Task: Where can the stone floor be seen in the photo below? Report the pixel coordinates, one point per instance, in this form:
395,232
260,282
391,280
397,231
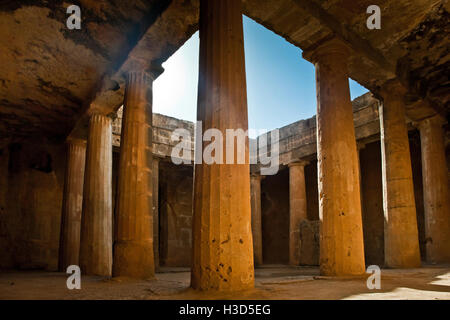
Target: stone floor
272,282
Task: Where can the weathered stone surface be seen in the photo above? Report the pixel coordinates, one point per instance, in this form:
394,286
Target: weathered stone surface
31,192
275,218
309,251
372,203
62,86
163,128
436,190
52,78
114,35
52,72
297,208
298,140
96,221
312,190
401,233
175,215
174,24
155,198
274,215
255,198
133,242
72,204
222,239
425,63
341,234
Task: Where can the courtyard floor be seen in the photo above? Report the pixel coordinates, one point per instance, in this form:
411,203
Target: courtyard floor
272,282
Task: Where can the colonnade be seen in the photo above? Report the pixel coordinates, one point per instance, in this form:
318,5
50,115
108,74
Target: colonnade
227,233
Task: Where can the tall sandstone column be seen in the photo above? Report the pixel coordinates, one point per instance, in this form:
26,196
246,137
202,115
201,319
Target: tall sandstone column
401,238
341,235
435,190
133,246
96,221
222,235
255,188
297,208
72,204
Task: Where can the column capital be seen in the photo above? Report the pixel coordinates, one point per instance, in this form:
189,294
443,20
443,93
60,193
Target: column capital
436,120
152,69
360,145
76,141
157,158
393,88
302,163
257,175
95,112
322,52
100,117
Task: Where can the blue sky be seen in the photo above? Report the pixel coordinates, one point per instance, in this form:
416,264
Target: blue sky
280,83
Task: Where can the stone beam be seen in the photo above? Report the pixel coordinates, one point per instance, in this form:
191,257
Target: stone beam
357,43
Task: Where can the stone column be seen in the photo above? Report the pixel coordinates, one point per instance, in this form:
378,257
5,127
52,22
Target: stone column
255,188
133,246
72,204
341,235
360,146
155,176
297,208
435,190
222,241
401,238
96,221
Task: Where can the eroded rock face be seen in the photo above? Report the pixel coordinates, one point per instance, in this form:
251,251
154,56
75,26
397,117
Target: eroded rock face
426,64
49,72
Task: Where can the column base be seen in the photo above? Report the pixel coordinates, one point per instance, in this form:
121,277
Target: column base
134,259
411,262
438,260
328,271
438,253
405,265
101,269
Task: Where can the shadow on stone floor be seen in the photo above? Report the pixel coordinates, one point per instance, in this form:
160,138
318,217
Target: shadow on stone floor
272,282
